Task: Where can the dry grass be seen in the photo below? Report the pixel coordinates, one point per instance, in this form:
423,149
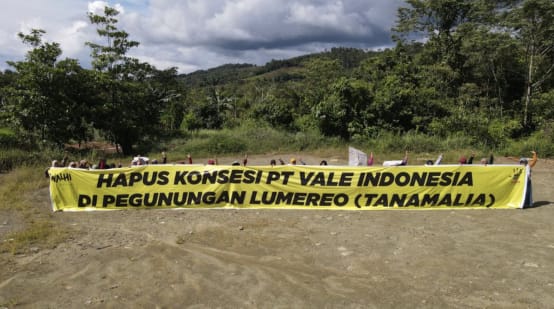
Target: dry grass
18,191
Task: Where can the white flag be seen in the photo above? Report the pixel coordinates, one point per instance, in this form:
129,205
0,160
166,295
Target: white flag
356,157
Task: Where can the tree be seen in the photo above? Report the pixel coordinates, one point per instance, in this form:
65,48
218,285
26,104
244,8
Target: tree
131,108
49,99
344,112
171,94
277,108
533,23
493,64
112,57
319,75
437,20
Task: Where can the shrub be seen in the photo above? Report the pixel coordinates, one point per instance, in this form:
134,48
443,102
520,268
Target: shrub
250,137
11,158
541,141
7,138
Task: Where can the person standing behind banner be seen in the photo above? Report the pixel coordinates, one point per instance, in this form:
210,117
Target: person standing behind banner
65,159
402,162
529,194
55,163
102,164
463,160
530,163
370,159
84,164
471,157
488,161
405,160
438,160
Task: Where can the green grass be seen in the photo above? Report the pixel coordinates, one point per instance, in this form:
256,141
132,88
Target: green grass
542,142
11,158
252,138
249,138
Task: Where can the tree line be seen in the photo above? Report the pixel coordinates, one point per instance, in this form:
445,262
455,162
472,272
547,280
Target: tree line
480,68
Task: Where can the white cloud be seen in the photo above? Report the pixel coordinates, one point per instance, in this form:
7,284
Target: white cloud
72,38
200,34
97,7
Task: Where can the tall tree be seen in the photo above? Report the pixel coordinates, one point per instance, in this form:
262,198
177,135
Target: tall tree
171,93
129,114
533,23
493,64
437,20
111,57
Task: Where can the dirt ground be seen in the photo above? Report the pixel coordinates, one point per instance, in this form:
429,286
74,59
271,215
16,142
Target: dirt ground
485,258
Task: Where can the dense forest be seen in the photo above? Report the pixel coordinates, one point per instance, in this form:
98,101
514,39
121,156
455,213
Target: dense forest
482,69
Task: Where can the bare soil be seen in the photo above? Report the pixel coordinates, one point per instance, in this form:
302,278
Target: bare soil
486,258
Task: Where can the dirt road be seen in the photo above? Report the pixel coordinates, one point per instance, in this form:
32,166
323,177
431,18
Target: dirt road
293,259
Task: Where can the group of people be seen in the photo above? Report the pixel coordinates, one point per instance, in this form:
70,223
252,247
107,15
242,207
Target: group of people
438,161
140,160
292,161
272,162
484,161
530,162
81,164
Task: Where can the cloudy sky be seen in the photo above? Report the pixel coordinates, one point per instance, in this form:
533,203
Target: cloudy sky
201,34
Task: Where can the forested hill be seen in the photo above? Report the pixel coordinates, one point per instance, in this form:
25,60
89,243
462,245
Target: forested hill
275,70
228,73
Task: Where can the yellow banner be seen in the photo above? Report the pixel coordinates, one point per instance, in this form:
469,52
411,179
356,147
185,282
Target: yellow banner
292,187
